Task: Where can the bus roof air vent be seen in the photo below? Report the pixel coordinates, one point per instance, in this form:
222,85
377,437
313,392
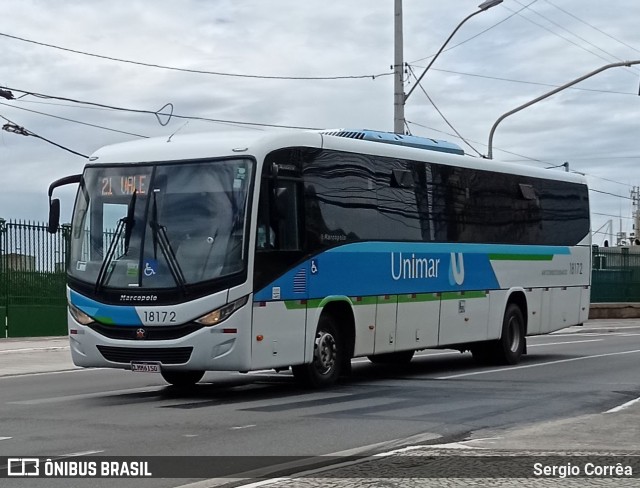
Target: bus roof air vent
399,139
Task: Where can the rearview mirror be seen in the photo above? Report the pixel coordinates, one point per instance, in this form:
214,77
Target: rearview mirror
54,216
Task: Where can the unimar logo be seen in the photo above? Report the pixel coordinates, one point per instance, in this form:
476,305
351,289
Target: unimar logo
412,267
456,269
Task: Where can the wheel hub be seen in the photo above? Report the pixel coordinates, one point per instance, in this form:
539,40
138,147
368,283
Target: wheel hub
324,352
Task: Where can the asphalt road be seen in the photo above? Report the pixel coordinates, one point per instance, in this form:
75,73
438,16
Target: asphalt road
442,397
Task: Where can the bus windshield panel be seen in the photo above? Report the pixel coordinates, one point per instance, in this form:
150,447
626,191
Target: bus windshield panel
161,225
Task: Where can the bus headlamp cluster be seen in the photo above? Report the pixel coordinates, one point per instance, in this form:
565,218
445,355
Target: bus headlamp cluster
80,317
223,313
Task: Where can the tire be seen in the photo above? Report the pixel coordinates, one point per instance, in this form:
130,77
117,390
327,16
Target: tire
328,357
401,357
510,347
182,379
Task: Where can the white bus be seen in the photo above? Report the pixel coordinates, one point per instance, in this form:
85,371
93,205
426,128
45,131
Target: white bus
248,252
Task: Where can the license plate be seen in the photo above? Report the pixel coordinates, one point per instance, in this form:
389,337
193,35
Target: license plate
145,367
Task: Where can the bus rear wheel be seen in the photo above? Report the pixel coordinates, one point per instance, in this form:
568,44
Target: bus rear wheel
511,344
400,357
182,379
509,348
328,357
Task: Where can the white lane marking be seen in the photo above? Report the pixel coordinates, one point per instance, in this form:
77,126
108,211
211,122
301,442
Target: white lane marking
34,349
567,342
83,453
312,472
45,373
5,438
526,366
623,406
41,401
239,427
357,451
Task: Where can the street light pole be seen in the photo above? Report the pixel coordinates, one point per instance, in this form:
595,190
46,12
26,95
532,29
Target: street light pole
400,98
548,94
398,71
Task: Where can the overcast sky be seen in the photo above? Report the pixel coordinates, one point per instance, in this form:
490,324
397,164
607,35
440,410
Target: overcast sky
498,60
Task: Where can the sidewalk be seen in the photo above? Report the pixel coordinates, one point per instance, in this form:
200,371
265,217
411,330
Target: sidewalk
34,355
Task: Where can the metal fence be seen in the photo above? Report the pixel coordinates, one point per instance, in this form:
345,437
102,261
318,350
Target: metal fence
616,274
32,279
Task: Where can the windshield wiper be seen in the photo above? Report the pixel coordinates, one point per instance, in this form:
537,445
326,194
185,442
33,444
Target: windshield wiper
159,235
124,224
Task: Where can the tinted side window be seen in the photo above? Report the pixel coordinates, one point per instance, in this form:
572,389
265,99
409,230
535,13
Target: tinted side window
565,211
340,199
397,197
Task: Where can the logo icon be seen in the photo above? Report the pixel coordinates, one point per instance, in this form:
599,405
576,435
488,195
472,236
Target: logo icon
141,334
150,267
23,467
456,271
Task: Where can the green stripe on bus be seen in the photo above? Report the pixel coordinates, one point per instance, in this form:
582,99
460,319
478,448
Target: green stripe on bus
520,257
418,297
372,300
457,295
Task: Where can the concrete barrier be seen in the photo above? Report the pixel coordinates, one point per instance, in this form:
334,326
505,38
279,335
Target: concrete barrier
614,311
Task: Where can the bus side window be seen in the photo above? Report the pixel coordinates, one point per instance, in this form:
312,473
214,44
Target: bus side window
287,218
278,216
265,238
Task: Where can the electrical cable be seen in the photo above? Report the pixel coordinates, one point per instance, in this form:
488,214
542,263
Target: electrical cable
476,35
442,115
73,120
156,113
592,26
570,32
559,35
18,129
195,71
527,82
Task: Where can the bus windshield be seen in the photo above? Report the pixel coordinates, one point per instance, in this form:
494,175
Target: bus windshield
160,225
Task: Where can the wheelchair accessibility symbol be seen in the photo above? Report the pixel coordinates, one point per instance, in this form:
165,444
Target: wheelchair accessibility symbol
314,267
150,267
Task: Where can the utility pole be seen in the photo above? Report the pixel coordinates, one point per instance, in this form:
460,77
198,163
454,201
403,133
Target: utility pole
398,71
635,200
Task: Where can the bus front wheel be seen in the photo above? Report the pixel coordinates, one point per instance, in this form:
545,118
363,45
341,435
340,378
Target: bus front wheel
328,357
182,378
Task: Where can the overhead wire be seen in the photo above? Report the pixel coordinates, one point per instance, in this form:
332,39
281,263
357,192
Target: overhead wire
550,85
442,115
559,35
26,132
475,35
195,71
156,113
553,22
74,121
592,26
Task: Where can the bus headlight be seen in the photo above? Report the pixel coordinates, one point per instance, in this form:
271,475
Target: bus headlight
80,316
223,313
